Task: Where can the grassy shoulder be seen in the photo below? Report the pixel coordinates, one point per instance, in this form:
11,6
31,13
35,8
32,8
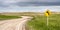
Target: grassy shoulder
5,17
39,22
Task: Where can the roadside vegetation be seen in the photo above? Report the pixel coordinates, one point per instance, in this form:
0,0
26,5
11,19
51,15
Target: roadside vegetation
39,22
5,17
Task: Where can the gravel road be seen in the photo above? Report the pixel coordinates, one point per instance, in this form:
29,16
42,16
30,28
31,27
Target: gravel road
14,24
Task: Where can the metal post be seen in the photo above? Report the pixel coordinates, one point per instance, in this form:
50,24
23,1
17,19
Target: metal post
47,21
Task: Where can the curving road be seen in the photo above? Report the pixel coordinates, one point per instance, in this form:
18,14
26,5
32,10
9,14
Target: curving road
14,24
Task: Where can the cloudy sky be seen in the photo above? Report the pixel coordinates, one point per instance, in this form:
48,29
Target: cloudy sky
29,5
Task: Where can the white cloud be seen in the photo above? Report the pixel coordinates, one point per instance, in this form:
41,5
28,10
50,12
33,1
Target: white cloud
9,1
13,7
30,9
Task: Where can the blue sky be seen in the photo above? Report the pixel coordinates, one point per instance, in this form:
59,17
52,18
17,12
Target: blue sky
29,5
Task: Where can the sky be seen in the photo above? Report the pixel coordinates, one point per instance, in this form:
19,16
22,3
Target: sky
29,5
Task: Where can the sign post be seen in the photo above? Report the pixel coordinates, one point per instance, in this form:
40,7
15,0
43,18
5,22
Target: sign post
47,13
47,21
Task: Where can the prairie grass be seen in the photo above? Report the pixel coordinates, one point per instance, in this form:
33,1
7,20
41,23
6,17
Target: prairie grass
4,17
39,22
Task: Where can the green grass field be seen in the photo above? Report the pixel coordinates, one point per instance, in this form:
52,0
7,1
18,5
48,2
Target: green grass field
4,17
39,22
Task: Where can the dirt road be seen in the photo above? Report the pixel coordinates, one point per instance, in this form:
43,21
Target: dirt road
14,24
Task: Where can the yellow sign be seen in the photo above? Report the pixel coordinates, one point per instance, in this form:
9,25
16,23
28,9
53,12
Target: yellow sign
47,13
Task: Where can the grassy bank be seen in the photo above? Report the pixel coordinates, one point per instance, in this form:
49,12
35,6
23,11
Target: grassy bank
39,22
4,17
